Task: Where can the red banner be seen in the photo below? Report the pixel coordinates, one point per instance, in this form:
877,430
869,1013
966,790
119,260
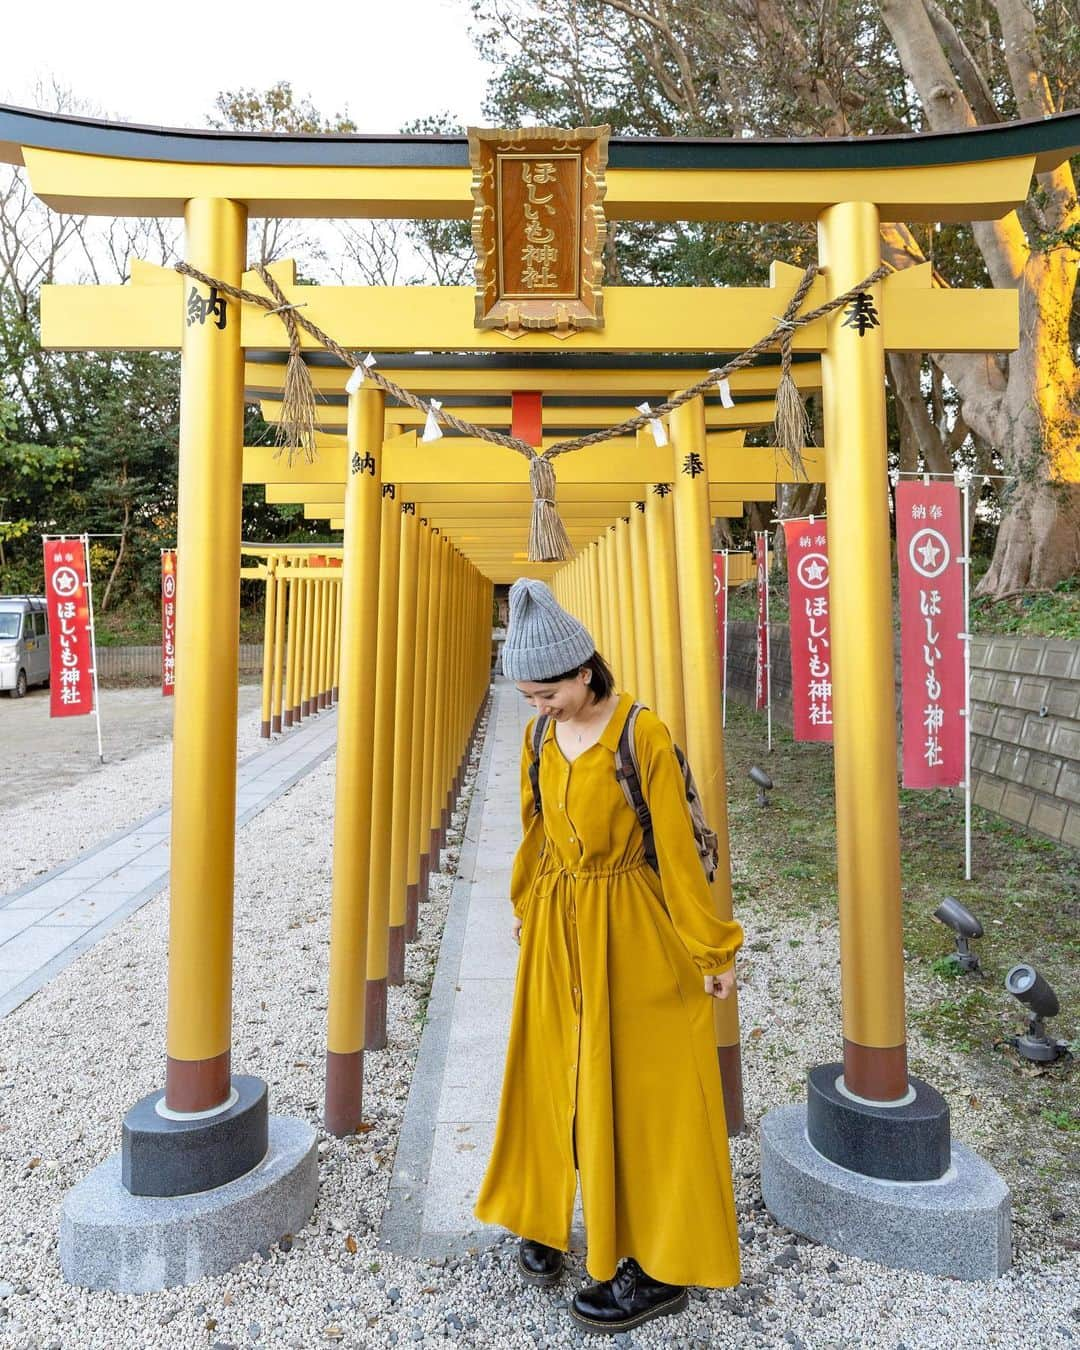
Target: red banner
168,621
761,677
71,687
929,542
719,571
811,641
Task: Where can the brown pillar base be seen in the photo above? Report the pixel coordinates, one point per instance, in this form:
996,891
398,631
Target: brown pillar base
305,708
395,956
343,1112
729,1058
444,824
197,1084
412,918
288,717
275,725
264,731
878,1073
435,844
425,878
335,693
375,1014
323,702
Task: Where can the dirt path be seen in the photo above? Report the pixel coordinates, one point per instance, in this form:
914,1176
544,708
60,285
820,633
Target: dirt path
39,754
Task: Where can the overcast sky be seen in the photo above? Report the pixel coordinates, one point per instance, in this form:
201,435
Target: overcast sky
383,63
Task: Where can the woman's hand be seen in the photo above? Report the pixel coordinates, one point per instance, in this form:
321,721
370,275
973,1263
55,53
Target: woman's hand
719,986
516,931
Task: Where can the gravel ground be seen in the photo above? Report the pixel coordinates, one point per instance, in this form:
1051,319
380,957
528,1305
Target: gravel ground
56,799
60,1114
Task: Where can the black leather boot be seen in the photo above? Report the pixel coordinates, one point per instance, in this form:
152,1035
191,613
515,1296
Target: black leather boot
627,1300
539,1264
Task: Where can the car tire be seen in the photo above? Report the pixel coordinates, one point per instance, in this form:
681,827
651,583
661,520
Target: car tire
20,686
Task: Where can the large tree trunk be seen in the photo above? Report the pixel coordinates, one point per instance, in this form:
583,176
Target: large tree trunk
1026,407
1038,543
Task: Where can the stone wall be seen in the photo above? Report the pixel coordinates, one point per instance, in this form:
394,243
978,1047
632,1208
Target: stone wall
1026,726
1025,722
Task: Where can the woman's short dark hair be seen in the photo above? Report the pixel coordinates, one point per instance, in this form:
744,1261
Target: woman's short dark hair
602,682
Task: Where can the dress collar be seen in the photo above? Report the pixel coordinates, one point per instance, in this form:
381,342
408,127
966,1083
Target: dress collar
610,738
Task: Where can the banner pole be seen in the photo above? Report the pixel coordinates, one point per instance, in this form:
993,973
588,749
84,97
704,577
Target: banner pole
85,541
723,703
768,644
965,491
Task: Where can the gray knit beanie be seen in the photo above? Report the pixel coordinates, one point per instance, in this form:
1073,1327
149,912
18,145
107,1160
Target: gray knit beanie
542,640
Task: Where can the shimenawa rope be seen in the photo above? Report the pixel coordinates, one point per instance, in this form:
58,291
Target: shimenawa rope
548,540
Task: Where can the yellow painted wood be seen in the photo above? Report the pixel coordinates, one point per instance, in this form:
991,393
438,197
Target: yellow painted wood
637,318
263,378
749,413
355,736
382,791
99,185
207,644
466,463
863,675
701,682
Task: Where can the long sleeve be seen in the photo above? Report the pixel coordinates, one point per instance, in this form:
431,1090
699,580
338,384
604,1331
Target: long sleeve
532,829
711,941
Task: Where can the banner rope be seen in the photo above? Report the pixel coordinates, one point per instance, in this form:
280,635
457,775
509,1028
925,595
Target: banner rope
548,540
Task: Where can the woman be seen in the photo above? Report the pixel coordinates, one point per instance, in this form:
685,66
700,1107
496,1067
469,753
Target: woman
611,1069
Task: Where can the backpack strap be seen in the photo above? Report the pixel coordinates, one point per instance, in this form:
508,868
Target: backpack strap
628,774
540,727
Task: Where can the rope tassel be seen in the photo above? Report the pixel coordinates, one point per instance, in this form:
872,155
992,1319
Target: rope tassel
548,540
791,426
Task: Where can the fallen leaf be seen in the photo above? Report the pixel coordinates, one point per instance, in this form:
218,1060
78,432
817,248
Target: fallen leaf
333,1333
757,1031
350,1244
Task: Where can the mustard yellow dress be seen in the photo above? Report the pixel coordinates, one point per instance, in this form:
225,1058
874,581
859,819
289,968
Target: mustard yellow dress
611,1067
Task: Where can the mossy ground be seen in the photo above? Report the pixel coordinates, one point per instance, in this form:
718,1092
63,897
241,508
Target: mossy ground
1026,892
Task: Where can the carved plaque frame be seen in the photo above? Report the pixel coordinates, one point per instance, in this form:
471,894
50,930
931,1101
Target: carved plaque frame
539,228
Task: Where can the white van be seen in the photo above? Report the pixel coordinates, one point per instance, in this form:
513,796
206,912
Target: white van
24,643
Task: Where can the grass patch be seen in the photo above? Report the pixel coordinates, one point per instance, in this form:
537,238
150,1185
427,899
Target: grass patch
1026,892
1054,613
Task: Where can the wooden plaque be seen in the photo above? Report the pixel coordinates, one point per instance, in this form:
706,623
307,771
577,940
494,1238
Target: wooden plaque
538,227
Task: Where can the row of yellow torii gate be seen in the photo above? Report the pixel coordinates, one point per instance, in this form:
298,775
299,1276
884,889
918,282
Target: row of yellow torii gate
417,716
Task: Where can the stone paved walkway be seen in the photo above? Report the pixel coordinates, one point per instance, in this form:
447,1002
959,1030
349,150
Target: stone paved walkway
45,925
449,1122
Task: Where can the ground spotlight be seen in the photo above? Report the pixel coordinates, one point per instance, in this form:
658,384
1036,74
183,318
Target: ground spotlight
965,925
764,784
1025,983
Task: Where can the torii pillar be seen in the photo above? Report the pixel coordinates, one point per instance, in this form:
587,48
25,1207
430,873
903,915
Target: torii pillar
868,1163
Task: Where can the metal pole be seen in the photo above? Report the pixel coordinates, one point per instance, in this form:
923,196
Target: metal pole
768,645
84,539
965,489
723,715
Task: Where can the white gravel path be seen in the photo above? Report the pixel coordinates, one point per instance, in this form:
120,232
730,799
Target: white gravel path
52,826
81,1051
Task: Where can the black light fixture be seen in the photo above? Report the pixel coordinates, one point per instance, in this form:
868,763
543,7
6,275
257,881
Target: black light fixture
764,784
1026,984
965,926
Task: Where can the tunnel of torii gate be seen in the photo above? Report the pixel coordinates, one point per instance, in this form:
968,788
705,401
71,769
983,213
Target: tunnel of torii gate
429,527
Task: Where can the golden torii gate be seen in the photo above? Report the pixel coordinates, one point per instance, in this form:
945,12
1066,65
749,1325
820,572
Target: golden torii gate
215,182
